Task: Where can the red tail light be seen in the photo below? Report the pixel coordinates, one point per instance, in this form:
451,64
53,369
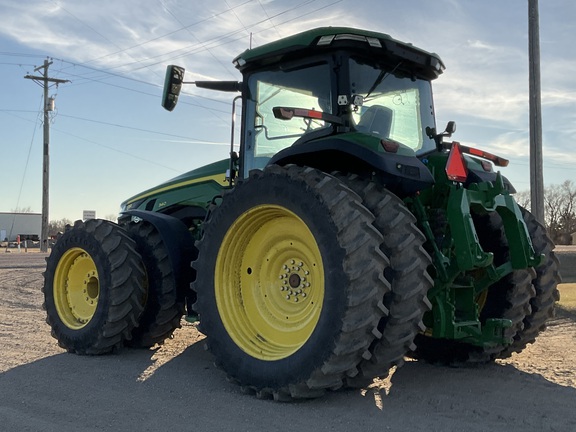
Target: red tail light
496,160
389,145
456,169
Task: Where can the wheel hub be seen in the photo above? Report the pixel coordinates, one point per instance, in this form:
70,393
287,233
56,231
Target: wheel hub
294,283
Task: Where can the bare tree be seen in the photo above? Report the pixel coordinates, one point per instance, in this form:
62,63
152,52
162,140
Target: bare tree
56,226
22,210
559,210
523,199
565,213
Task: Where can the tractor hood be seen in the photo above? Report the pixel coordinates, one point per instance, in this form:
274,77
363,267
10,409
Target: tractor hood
178,190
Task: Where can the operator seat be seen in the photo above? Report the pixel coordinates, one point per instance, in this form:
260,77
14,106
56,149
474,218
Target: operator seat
376,120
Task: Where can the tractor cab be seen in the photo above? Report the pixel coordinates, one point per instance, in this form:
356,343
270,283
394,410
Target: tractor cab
338,96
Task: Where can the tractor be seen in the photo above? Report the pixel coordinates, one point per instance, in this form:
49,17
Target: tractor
342,235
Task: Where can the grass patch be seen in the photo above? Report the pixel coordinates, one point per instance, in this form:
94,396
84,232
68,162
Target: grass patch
567,296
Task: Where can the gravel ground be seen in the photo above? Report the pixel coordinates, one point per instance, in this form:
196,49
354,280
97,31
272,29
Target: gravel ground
176,387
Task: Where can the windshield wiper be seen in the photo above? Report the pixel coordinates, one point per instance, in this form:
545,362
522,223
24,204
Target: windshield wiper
379,79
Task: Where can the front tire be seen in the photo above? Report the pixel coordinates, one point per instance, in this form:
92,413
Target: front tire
93,288
289,282
164,300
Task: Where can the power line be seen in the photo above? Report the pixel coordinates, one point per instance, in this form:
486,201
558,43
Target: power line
270,19
11,54
220,38
26,166
84,23
117,150
189,140
16,64
158,86
138,129
203,46
225,67
91,28
187,27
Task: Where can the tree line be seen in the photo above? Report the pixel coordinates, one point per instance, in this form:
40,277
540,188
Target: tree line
559,210
59,226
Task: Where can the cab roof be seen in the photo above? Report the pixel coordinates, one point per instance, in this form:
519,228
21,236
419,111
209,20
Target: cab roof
379,46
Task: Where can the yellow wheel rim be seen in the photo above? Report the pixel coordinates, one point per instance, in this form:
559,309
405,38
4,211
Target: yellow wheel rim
76,288
269,282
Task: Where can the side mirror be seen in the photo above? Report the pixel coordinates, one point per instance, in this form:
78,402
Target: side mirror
172,86
450,129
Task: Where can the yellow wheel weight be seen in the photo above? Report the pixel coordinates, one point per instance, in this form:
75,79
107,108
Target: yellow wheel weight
76,288
269,282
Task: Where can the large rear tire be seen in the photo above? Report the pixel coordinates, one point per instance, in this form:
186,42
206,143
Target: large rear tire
93,288
407,274
545,283
290,282
508,298
164,300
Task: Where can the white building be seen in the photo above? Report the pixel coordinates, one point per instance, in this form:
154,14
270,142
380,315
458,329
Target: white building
26,225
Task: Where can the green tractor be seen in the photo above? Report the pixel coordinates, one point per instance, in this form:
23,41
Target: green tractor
344,235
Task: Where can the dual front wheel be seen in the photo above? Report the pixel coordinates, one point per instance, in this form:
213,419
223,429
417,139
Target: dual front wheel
106,287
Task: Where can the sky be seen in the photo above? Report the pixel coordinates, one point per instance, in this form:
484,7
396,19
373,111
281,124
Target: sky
111,139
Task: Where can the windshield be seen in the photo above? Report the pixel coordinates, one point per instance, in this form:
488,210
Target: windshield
299,88
395,107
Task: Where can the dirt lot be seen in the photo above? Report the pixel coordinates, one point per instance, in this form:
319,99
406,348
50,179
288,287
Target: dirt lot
176,387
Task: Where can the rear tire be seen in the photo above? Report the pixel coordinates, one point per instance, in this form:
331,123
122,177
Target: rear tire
93,288
508,298
407,274
290,282
545,283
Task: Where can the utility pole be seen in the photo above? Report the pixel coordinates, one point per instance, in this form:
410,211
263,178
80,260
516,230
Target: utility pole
45,82
536,170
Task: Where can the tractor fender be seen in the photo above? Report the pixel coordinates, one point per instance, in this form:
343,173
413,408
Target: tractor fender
176,237
477,176
403,174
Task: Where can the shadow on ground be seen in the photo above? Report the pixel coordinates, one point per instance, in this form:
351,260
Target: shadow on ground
129,392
